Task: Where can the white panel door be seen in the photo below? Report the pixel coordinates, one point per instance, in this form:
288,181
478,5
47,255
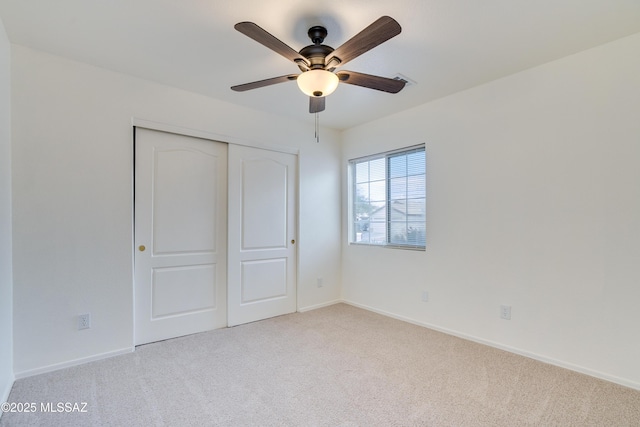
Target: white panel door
180,235
262,229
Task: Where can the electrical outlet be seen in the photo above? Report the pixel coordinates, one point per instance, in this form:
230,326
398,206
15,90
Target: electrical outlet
84,321
505,312
425,296
320,282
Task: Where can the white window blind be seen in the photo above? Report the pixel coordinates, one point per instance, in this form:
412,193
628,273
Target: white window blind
388,200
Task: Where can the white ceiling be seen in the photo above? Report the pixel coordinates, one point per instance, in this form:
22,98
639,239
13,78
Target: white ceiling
445,46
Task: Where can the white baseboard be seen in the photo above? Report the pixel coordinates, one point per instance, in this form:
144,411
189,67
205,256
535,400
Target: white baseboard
541,358
70,363
316,306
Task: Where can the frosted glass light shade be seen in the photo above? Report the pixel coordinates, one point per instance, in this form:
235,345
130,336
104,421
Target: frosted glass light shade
317,82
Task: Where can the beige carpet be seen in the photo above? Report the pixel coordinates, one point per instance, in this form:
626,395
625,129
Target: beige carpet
336,366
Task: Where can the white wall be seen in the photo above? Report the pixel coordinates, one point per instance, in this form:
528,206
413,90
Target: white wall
6,286
72,209
533,201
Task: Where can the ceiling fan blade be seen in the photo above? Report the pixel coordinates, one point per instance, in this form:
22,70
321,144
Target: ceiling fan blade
263,83
260,35
375,34
316,104
372,82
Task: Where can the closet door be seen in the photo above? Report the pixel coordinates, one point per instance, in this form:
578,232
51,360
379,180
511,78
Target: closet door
262,234
180,235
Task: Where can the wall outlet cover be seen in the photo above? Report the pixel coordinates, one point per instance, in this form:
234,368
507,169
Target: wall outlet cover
505,312
84,321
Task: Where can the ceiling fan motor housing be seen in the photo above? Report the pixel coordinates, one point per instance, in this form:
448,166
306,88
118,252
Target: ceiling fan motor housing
317,52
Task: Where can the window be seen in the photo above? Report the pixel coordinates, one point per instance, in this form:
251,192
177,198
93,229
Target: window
387,199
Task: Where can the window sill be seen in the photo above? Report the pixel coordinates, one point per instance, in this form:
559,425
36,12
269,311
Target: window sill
389,246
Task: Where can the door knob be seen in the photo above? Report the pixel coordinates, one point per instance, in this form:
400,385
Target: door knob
293,242
142,248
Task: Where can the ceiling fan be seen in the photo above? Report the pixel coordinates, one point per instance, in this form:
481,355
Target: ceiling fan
318,61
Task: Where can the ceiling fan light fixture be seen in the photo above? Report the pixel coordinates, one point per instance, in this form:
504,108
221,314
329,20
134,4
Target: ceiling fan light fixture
317,83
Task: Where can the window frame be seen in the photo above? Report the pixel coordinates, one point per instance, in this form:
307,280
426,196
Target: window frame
352,194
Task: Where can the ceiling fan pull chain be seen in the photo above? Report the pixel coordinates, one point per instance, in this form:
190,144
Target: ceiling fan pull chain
317,128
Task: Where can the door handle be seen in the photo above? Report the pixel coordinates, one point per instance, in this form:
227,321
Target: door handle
293,242
142,248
